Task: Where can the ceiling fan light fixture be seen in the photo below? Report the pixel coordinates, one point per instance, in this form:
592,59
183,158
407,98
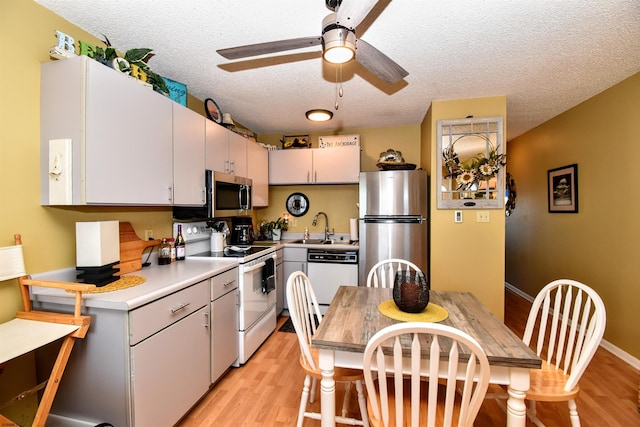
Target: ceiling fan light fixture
319,115
339,45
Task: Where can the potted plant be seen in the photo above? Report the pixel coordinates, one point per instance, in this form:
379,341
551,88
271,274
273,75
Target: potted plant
275,228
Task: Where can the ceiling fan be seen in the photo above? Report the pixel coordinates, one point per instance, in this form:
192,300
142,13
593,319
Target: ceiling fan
338,40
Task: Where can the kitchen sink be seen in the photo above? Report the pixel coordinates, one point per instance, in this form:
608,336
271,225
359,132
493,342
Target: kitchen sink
312,241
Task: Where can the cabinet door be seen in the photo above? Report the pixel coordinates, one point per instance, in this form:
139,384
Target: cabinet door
336,165
291,166
237,154
188,156
128,140
288,268
258,172
217,147
224,333
170,371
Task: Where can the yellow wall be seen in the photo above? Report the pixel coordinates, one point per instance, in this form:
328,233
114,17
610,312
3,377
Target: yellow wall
468,256
598,245
339,201
48,233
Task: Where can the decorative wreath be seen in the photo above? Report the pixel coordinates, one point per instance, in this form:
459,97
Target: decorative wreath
478,168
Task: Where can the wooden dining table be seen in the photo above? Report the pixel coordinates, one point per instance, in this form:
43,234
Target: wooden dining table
353,318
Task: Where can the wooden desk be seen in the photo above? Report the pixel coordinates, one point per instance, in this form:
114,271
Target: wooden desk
353,318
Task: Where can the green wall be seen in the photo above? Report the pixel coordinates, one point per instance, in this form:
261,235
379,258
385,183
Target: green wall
596,246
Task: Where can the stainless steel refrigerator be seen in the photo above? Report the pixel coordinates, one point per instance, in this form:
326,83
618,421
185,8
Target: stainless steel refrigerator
393,223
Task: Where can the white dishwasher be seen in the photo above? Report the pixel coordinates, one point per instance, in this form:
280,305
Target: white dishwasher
328,269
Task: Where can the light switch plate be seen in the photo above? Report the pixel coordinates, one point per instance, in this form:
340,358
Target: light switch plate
457,216
60,169
482,216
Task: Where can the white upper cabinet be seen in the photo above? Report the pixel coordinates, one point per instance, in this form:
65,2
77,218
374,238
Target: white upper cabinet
315,166
188,156
258,172
116,133
226,151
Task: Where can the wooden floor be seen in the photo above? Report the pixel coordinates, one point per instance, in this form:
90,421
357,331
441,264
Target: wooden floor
266,391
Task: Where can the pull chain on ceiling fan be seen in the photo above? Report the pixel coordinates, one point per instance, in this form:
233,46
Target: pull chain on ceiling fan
338,40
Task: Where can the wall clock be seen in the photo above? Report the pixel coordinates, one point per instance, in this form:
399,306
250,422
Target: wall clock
212,110
297,204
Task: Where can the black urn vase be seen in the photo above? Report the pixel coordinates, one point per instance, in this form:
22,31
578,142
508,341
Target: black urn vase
411,291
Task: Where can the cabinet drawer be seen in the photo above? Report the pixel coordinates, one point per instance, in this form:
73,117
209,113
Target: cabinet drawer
295,254
146,321
223,283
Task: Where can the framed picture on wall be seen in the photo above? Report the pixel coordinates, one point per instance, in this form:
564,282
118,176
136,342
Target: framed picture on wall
562,188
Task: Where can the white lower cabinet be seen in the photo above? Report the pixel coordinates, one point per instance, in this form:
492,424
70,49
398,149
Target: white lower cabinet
149,365
224,322
169,371
294,259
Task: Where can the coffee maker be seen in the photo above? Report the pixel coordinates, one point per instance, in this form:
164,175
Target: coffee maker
241,230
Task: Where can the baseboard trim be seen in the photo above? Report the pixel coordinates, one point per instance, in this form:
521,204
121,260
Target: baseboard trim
616,351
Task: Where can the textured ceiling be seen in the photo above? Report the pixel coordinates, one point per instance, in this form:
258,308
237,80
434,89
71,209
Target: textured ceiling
545,56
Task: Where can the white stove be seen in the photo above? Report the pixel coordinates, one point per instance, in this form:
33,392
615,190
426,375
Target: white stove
256,284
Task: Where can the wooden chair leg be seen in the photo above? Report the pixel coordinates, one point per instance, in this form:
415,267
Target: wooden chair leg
54,382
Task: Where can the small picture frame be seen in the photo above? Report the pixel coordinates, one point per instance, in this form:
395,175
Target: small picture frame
296,141
212,110
562,188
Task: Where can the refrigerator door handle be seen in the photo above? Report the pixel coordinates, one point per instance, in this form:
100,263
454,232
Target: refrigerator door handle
395,220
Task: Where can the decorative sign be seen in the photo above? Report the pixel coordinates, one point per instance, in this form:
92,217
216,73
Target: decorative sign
177,91
337,141
132,64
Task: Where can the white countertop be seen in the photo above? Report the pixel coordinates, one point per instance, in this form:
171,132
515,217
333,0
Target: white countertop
161,280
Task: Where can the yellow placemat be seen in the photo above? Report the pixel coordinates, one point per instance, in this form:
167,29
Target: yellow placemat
433,313
122,283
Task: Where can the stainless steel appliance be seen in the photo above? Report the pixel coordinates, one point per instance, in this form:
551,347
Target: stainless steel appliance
256,284
328,269
393,221
226,196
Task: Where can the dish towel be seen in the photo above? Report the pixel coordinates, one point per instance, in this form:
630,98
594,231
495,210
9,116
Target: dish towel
269,276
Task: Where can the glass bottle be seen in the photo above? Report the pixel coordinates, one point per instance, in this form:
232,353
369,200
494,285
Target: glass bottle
172,245
164,254
180,249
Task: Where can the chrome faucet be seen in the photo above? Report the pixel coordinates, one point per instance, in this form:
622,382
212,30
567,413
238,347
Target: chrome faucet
326,224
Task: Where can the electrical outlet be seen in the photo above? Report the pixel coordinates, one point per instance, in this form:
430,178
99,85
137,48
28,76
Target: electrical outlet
482,216
148,234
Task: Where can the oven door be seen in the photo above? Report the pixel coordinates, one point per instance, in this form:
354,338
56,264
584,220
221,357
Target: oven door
253,302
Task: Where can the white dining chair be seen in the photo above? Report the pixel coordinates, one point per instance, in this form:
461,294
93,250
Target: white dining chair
306,316
383,273
565,327
440,380
32,329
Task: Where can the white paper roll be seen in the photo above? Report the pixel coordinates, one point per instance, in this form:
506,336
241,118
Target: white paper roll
353,229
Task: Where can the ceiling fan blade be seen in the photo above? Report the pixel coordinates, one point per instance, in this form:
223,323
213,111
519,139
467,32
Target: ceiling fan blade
351,12
379,63
268,47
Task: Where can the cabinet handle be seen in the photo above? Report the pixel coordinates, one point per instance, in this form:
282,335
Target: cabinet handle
232,167
170,193
227,166
207,322
229,283
180,307
315,176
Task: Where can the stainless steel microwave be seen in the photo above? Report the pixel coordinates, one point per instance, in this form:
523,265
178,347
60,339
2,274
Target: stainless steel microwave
226,196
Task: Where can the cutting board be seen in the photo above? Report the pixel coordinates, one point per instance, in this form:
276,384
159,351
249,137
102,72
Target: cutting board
131,248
